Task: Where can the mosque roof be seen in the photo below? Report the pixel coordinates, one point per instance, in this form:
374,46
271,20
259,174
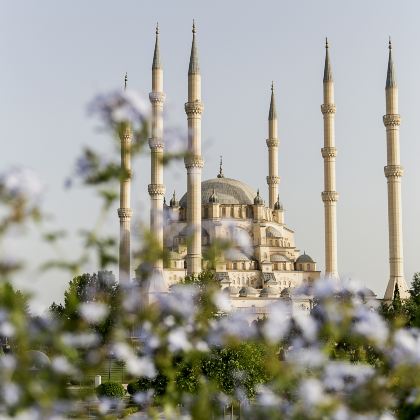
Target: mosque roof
304,258
279,258
228,190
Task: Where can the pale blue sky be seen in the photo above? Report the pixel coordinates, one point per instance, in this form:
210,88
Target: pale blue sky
55,56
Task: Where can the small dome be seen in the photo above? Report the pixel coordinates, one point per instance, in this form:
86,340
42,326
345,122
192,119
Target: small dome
232,290
214,198
174,202
39,360
278,205
258,200
286,292
273,290
234,254
304,258
248,291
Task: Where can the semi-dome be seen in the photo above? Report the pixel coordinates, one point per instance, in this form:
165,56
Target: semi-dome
304,258
228,191
279,258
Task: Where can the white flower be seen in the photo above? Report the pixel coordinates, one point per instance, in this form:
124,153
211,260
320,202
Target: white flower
311,392
21,183
345,376
81,340
406,346
121,106
234,325
93,312
222,301
7,329
307,325
178,340
310,357
11,393
278,322
370,325
141,366
266,397
181,300
7,363
61,365
202,346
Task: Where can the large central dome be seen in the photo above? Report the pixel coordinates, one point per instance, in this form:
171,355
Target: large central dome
228,190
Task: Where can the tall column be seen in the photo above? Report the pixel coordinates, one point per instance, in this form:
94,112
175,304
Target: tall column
193,162
329,152
124,212
156,187
273,147
393,174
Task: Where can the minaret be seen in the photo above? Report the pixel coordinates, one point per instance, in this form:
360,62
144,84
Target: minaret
273,145
156,188
124,212
393,174
329,152
193,162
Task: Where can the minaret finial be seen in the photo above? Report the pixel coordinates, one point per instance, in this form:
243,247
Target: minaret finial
220,174
391,80
156,55
272,114
125,81
328,77
194,68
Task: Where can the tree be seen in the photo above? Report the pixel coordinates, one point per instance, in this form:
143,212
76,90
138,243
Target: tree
98,287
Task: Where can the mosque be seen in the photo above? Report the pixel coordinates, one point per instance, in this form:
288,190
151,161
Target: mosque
263,262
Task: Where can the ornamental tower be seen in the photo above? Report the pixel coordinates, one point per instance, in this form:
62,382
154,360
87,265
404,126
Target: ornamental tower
329,152
393,174
124,212
156,188
194,162
273,144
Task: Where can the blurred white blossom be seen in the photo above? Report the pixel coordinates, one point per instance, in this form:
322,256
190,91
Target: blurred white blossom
93,312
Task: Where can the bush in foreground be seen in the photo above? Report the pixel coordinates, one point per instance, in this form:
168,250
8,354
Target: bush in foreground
110,390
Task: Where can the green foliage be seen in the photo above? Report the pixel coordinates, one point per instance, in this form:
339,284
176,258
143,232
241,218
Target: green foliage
110,390
242,365
141,384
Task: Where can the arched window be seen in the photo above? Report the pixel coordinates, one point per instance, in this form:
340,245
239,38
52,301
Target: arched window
308,267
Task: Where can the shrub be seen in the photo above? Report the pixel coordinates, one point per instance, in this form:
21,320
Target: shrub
110,390
141,384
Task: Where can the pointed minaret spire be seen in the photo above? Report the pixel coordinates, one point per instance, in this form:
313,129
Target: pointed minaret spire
125,81
194,68
328,77
156,55
391,80
272,114
220,174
